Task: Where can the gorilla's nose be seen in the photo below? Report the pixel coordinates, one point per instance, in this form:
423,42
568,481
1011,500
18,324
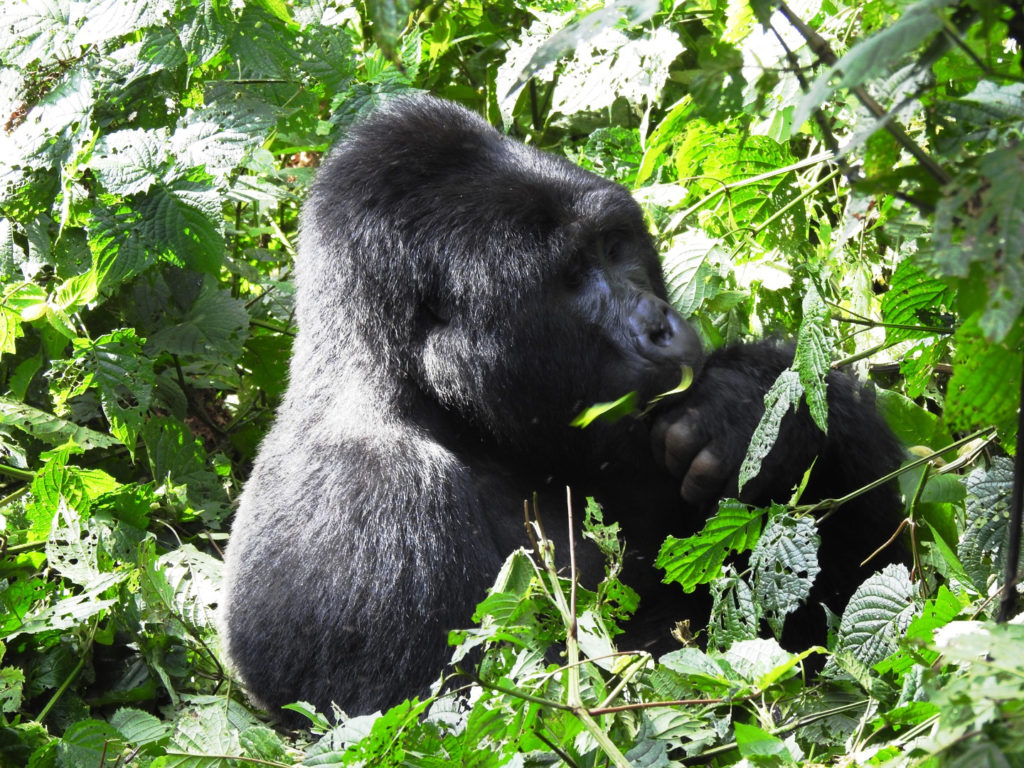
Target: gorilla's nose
662,335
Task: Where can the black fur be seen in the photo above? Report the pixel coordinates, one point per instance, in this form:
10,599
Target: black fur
460,298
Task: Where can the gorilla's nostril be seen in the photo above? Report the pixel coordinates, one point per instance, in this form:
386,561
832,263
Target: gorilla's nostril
661,336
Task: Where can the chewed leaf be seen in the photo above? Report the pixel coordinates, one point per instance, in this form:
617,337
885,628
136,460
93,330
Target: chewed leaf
629,403
610,412
685,382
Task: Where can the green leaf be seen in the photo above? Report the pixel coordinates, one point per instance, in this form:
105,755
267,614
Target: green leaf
59,482
735,615
37,31
205,730
876,54
754,742
698,559
131,160
577,33
877,615
219,137
177,458
72,612
387,19
48,126
278,8
981,225
88,742
761,661
213,327
813,356
109,19
124,377
783,396
914,299
610,412
12,681
72,548
695,671
191,580
785,565
181,220
982,548
751,163
139,728
985,386
204,31
49,428
689,275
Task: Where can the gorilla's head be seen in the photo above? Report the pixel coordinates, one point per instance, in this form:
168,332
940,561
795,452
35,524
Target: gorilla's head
506,285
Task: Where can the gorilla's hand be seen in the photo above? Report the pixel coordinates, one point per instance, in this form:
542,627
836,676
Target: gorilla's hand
703,438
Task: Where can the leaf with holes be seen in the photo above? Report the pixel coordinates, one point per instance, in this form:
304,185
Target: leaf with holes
785,565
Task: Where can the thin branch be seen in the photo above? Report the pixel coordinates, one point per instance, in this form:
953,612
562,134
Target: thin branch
879,324
20,474
850,172
821,157
820,47
701,758
83,652
832,505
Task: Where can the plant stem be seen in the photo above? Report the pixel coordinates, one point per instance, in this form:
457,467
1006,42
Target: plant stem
74,673
823,51
832,505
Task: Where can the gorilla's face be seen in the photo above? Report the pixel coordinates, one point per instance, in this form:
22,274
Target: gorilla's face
509,287
613,288
568,316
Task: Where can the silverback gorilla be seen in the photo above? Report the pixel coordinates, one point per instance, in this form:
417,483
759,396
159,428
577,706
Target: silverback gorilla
461,297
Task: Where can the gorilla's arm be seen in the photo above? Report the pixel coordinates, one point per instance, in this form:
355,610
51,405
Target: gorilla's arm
703,439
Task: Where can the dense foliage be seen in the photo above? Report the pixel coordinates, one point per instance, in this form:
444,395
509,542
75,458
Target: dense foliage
847,172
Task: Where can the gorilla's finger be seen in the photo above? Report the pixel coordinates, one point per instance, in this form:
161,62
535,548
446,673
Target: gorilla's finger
705,479
683,441
658,430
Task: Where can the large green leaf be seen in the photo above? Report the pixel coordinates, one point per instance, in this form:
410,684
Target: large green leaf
49,428
877,615
813,356
784,396
982,549
785,565
698,559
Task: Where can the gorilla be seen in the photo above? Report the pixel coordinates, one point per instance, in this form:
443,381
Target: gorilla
460,298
